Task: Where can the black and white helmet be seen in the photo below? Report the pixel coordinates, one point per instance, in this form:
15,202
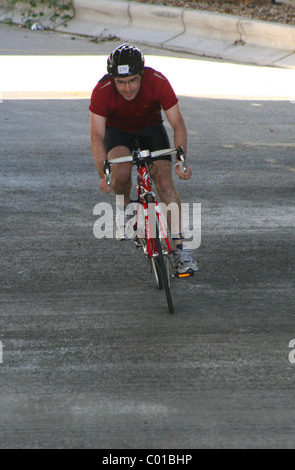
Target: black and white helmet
125,60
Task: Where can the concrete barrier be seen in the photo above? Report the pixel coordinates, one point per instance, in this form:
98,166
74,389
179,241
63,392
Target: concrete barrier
265,34
206,24
203,33
100,17
233,38
132,21
207,34
155,24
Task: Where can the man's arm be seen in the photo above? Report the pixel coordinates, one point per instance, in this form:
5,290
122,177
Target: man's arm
177,123
97,134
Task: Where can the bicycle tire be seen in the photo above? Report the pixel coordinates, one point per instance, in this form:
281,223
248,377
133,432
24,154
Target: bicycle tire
157,273
152,262
154,265
162,266
158,262
156,270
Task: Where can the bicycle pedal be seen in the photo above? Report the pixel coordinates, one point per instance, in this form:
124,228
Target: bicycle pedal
189,273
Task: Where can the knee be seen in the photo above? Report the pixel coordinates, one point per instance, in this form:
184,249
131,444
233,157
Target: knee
164,184
122,175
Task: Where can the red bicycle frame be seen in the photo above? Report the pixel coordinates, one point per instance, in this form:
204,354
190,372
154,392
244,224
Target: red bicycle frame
144,187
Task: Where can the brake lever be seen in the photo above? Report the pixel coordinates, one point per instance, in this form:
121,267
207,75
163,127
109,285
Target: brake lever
107,172
181,160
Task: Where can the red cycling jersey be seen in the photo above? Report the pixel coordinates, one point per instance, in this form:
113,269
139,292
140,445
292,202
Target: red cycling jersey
155,93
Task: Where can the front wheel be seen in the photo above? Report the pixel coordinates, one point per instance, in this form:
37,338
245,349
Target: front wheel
163,271
156,269
158,262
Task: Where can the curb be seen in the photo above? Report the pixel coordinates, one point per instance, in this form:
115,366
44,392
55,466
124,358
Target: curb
198,32
201,33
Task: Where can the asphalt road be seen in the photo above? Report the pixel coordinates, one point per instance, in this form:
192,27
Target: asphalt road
90,356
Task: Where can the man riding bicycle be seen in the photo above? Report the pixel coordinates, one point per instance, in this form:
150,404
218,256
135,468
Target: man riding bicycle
126,106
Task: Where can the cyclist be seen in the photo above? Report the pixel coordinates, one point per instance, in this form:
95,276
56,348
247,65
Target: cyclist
126,105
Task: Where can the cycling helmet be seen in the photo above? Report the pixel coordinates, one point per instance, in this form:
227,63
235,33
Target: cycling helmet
124,61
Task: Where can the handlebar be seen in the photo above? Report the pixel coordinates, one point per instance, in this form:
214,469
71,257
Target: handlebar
141,155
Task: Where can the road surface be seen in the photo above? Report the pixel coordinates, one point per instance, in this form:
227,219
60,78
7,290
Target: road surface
90,357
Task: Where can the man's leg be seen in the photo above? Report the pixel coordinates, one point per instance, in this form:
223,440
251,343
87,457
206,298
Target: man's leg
121,174
168,195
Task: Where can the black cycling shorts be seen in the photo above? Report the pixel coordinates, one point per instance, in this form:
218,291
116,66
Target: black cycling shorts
151,138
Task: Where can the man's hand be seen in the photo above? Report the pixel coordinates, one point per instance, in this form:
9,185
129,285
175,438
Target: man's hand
184,176
104,187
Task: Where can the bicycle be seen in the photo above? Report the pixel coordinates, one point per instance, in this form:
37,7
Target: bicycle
154,239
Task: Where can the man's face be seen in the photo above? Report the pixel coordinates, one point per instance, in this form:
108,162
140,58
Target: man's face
128,87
